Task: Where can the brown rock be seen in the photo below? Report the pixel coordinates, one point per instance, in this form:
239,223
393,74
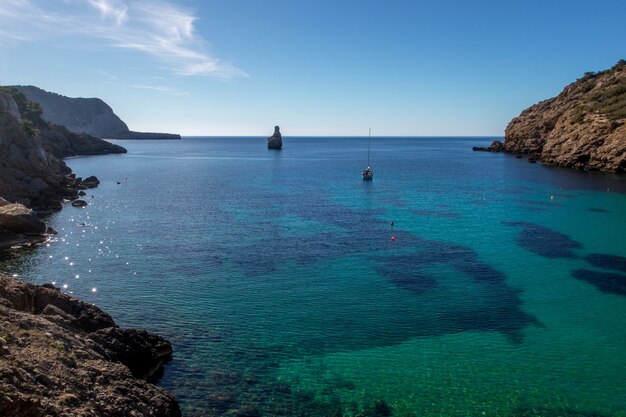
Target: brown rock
17,218
584,127
52,365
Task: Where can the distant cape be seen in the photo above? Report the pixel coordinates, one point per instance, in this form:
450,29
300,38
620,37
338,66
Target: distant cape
85,115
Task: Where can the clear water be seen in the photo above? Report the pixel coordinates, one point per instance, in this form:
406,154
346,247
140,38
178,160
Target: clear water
276,278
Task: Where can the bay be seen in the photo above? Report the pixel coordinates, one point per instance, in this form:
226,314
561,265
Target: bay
275,275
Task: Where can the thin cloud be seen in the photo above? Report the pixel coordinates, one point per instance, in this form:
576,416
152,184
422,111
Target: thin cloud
161,89
162,30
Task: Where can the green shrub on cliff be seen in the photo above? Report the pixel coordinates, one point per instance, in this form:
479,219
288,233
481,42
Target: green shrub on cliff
612,100
608,98
29,111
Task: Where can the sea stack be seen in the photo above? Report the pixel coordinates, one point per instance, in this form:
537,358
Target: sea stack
276,140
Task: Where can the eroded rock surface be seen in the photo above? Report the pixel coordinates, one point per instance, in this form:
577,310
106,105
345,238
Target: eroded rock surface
584,127
61,357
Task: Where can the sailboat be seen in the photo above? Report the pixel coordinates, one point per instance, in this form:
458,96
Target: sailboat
368,174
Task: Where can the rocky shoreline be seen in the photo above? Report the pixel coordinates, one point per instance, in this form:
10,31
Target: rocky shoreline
584,127
61,357
34,181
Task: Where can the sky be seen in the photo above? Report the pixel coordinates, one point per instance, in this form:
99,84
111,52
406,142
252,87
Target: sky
314,67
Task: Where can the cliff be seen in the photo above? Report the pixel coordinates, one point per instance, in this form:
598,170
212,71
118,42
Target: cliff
584,127
32,175
60,357
85,115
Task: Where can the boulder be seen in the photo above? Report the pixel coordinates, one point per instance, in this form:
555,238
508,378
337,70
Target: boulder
276,140
495,146
52,365
90,182
79,203
18,218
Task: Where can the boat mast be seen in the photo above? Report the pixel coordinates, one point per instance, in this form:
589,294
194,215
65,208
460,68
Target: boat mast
369,143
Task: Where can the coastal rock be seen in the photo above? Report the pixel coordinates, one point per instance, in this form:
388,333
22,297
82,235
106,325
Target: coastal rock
61,357
31,171
276,140
584,127
89,182
79,203
19,226
495,146
17,218
90,116
142,352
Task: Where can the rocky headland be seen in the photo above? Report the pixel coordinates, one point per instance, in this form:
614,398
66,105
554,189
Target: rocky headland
584,127
61,357
33,178
91,116
276,140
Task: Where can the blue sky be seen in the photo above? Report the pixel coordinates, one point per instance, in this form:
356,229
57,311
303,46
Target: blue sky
315,67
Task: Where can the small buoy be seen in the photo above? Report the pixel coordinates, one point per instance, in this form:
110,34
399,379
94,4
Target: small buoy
393,238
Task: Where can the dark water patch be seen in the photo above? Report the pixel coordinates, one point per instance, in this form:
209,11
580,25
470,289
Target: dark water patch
606,261
404,272
531,208
437,213
514,190
598,210
538,203
357,231
606,282
545,242
497,308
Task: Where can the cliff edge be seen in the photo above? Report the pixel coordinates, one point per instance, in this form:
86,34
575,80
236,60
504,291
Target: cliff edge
33,178
584,127
85,115
61,357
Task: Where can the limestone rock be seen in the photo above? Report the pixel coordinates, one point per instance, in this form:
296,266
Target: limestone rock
61,357
31,171
584,127
276,140
19,219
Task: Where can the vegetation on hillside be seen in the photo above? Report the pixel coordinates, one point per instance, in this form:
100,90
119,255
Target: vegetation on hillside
29,111
608,99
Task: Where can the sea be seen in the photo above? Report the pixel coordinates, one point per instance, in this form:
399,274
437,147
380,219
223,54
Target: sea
456,283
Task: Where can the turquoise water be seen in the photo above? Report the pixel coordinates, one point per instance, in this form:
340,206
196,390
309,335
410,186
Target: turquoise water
276,278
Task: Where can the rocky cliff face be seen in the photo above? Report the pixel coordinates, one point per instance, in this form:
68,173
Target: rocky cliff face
85,115
60,357
31,171
32,175
584,127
